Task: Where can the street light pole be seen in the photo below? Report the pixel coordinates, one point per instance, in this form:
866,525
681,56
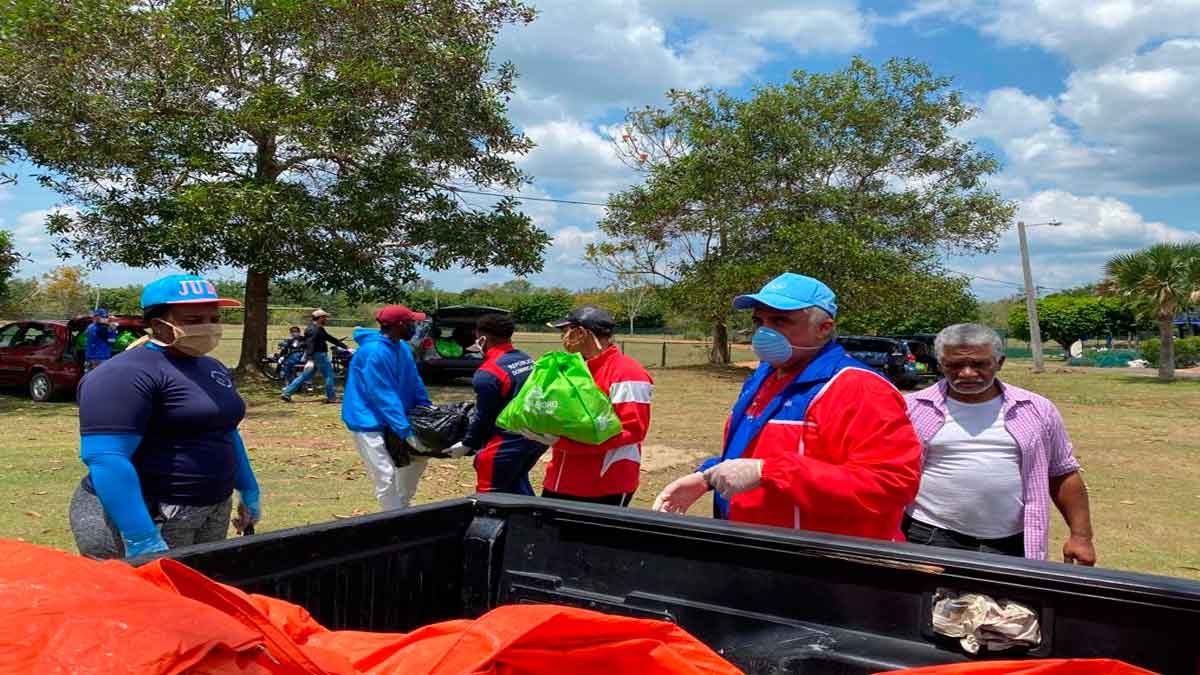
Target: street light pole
1035,331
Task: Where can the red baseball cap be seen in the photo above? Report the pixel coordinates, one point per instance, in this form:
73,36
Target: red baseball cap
393,314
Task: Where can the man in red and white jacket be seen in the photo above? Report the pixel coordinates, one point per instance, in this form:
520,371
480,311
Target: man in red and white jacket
607,473
817,440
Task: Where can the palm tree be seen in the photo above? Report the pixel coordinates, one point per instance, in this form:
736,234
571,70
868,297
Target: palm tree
1162,280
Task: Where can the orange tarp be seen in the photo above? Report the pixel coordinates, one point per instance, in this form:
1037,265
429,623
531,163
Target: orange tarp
64,613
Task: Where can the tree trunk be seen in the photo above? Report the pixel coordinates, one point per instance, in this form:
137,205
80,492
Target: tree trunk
720,345
1166,357
254,326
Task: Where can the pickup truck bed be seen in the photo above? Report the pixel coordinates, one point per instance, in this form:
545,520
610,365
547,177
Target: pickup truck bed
769,600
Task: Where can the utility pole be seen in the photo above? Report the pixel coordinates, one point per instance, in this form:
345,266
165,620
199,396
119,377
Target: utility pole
1035,330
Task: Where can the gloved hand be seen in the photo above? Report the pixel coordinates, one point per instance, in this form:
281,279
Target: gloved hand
679,496
416,444
544,439
735,476
459,450
141,544
249,511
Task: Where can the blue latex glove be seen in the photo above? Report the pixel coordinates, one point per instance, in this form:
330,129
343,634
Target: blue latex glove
141,544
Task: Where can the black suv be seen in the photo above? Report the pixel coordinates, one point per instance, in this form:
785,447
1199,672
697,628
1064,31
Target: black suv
441,344
891,357
920,346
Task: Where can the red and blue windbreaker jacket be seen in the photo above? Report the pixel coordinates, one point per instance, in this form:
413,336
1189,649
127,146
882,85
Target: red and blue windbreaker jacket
612,467
503,458
839,453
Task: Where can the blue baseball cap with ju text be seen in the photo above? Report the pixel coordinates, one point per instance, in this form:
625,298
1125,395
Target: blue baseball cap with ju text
788,292
180,289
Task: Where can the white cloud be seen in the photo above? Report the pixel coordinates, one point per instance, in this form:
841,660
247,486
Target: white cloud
1126,126
585,58
570,244
1089,32
574,158
1094,228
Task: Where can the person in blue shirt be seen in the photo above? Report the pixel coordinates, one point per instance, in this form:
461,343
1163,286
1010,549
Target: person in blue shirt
503,459
98,340
382,386
159,434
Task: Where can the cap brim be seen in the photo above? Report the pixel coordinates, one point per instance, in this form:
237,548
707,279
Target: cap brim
419,316
780,302
221,302
560,324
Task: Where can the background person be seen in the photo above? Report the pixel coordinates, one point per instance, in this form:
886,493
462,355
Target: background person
158,433
817,440
316,355
381,387
995,456
98,340
503,459
607,473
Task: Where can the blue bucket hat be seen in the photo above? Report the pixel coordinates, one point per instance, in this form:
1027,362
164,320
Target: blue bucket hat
181,289
788,292
102,313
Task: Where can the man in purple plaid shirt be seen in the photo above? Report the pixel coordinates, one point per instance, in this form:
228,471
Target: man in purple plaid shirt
995,456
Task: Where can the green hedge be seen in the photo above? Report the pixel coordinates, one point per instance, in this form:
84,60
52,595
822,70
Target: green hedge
1187,351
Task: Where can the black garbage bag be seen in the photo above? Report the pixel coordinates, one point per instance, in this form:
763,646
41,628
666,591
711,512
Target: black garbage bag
437,427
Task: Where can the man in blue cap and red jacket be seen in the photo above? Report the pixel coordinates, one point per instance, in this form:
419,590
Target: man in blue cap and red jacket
817,440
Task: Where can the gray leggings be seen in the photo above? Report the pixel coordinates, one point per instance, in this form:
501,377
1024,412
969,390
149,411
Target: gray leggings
97,537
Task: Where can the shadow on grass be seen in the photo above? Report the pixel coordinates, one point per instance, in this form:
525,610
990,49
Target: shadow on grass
16,402
1188,384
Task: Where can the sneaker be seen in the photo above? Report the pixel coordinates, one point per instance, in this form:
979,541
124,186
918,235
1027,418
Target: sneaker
285,398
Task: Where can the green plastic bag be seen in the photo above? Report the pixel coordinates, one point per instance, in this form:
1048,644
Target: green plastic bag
560,398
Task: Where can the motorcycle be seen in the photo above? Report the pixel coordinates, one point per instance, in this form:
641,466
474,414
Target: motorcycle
285,364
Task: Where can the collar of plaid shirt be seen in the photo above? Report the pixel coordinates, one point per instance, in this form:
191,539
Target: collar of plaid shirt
1037,427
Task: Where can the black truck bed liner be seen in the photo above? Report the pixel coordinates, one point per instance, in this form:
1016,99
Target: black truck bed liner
769,600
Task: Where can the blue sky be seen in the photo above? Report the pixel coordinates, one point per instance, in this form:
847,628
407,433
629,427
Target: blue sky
1091,106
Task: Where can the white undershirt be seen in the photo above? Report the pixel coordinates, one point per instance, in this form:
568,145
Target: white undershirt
971,479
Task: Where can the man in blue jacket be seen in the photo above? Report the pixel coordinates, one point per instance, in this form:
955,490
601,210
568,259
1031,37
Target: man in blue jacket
502,459
98,341
382,386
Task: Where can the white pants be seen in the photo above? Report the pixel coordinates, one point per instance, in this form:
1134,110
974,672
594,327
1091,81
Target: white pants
394,486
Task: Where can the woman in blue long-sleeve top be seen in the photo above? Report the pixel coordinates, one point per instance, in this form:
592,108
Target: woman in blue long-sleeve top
159,434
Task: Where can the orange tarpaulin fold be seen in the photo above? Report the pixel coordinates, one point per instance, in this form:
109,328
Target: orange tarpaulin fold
68,614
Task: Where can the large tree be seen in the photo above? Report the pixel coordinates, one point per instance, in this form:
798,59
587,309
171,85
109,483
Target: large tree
1161,281
314,140
10,260
855,177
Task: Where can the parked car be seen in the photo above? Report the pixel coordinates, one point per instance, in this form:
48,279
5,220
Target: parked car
889,356
46,357
920,346
441,343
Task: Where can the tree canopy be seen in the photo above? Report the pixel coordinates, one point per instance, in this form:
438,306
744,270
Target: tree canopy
854,177
1160,281
10,261
314,140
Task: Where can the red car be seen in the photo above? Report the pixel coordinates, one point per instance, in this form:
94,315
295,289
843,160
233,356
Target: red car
46,357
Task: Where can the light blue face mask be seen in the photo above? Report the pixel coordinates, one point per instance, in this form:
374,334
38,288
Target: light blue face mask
773,347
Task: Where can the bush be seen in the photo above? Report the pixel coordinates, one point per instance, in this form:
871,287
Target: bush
1187,351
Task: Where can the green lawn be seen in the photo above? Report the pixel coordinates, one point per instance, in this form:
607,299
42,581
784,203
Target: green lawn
1137,440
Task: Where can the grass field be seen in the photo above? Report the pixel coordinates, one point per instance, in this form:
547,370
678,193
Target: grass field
1137,440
